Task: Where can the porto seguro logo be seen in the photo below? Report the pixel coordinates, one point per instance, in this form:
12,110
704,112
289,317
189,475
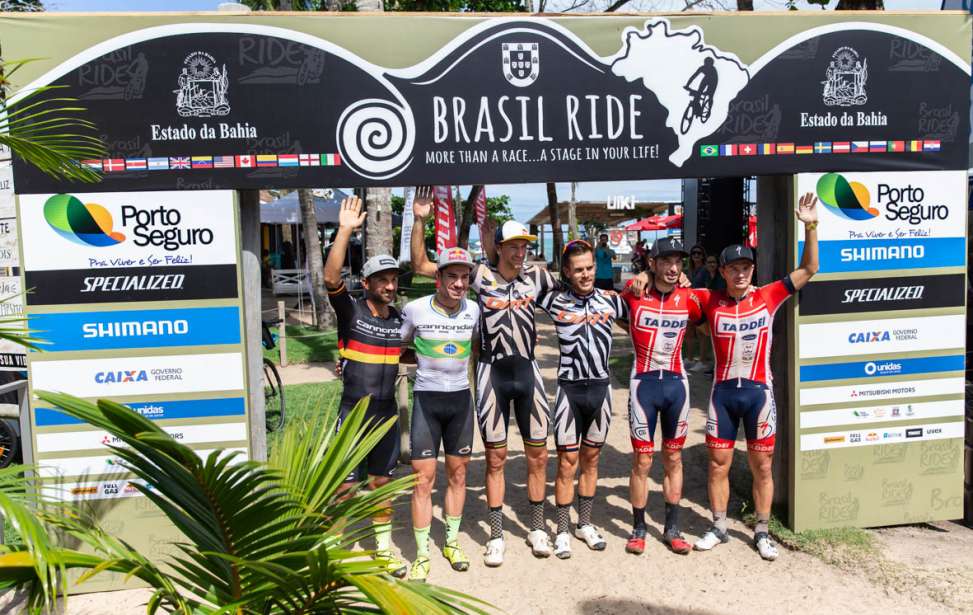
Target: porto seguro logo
848,199
86,224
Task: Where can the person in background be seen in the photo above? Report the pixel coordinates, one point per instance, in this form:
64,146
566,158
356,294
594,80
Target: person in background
707,277
604,274
694,342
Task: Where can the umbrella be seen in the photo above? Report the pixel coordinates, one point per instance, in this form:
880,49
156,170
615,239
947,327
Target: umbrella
645,225
287,209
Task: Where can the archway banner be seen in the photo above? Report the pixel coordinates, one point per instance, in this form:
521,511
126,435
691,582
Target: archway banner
248,101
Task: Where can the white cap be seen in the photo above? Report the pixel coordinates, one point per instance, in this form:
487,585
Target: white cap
511,229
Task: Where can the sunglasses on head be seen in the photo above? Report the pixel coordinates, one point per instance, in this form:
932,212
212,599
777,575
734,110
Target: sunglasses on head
573,242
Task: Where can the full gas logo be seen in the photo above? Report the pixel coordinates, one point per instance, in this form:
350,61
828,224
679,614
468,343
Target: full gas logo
849,200
86,224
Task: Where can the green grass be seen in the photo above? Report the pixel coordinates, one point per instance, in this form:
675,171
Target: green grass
621,367
307,345
420,287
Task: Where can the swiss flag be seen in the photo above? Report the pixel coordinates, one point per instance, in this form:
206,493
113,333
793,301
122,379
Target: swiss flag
244,162
747,149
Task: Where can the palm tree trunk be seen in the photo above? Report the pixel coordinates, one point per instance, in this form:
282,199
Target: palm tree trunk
315,260
555,222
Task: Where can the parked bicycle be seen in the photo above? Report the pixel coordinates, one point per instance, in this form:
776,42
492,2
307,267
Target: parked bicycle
273,385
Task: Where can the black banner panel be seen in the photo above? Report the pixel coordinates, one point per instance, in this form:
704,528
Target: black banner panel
511,101
882,294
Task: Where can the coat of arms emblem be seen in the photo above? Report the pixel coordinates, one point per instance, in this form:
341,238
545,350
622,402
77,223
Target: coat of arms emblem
521,63
202,87
846,76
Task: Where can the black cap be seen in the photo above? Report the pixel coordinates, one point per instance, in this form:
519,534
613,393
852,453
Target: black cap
736,252
667,246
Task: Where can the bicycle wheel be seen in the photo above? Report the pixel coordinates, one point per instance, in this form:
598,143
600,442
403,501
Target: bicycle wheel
9,444
687,118
273,397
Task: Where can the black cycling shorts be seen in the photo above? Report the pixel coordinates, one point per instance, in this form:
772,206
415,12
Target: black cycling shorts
511,381
441,416
653,396
582,414
381,461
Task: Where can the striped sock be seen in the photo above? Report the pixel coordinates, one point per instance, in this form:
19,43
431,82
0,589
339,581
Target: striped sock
422,541
563,518
584,509
452,528
496,522
537,515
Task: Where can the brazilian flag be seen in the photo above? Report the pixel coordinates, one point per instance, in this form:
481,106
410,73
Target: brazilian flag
706,151
441,349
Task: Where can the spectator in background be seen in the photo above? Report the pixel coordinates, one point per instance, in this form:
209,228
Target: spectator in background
707,277
693,347
604,274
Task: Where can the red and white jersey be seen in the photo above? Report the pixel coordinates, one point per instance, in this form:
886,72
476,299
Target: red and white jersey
741,330
658,324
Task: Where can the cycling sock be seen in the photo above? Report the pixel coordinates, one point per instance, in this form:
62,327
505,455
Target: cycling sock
422,541
584,509
719,520
536,515
672,519
452,528
563,518
383,535
763,523
638,518
496,522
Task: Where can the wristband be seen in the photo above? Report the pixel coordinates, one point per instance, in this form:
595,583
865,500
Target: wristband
810,226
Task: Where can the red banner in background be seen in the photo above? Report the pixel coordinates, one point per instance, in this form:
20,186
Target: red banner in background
445,219
752,232
481,206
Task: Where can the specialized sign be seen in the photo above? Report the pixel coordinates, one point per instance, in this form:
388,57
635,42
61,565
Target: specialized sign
883,294
878,405
184,103
884,221
137,300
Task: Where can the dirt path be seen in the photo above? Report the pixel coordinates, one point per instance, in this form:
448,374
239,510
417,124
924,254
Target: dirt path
918,568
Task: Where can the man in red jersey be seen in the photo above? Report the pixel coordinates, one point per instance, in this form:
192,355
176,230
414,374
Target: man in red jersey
658,388
740,321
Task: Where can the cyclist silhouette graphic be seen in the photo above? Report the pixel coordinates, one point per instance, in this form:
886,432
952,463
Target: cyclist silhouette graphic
701,101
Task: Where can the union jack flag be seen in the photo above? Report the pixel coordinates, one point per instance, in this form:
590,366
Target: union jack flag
180,162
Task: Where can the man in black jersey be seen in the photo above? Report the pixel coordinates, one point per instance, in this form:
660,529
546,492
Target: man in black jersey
369,343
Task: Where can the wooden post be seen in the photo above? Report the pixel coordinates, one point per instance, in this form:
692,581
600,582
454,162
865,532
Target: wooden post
402,385
282,333
250,266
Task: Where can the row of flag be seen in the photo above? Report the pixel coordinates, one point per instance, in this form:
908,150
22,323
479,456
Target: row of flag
181,163
819,147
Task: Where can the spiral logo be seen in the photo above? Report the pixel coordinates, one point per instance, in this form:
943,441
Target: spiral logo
376,137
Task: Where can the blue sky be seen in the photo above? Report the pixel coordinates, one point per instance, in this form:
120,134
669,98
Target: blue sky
526,199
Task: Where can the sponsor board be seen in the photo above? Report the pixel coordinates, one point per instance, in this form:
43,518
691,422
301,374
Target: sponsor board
184,434
106,465
882,367
119,377
864,337
9,252
876,436
109,231
881,414
93,490
137,328
882,294
881,221
178,283
156,411
880,391
13,356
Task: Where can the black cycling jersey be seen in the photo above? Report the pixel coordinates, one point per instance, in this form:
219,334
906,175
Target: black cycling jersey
369,347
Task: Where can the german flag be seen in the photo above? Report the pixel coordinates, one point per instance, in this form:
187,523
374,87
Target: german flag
367,353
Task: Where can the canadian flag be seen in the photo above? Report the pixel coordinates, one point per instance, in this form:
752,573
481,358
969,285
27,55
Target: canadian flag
445,220
480,207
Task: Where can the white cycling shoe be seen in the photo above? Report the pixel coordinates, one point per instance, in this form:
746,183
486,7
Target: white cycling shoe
765,546
562,546
540,543
591,537
711,539
494,553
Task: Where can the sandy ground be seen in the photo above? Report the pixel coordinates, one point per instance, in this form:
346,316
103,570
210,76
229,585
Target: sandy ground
925,568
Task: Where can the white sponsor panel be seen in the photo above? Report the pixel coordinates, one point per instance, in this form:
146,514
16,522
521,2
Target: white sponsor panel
881,391
137,229
103,465
184,434
882,414
864,337
7,207
885,435
121,376
917,204
92,490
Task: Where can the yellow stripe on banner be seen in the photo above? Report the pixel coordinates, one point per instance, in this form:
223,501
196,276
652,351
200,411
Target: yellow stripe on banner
364,357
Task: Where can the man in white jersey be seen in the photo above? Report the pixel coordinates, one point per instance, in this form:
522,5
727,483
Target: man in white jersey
443,328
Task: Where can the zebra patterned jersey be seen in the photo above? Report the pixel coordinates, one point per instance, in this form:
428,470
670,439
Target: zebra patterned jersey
507,326
584,330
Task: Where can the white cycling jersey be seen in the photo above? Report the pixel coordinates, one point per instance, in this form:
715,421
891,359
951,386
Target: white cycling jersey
443,342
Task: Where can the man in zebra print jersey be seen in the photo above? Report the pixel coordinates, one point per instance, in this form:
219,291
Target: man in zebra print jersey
583,317
506,373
